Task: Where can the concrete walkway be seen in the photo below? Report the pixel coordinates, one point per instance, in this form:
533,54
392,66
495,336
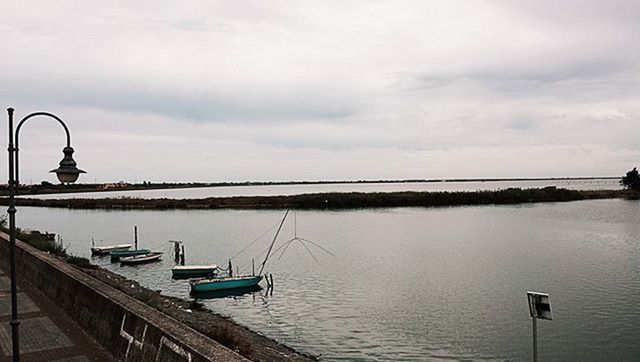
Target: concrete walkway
46,333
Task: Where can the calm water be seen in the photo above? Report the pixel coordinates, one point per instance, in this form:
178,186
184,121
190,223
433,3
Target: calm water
203,192
409,283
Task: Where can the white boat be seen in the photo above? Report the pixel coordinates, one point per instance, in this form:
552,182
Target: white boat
104,250
141,259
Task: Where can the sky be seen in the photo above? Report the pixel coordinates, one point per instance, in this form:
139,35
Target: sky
213,91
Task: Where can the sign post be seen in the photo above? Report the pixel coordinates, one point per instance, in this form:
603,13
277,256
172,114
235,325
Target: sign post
539,308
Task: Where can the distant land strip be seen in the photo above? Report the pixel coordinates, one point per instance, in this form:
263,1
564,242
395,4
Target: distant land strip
336,200
49,188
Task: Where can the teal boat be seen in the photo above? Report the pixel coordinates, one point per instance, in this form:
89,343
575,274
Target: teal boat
224,283
233,281
116,255
192,271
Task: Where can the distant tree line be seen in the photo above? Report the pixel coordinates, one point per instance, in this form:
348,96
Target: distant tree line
336,200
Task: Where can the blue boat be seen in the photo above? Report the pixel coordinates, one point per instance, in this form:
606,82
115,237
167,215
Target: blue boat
224,283
116,255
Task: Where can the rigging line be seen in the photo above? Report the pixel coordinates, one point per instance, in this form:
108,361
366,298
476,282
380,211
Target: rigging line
254,241
273,242
278,248
305,246
312,243
285,249
158,246
263,252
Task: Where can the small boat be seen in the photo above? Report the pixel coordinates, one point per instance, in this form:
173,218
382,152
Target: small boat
117,255
224,283
192,271
141,259
104,250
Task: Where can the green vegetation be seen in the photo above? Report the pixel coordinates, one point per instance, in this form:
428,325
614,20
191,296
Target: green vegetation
46,242
337,200
631,180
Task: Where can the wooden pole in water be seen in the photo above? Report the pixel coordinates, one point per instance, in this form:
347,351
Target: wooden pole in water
135,236
271,277
176,251
182,256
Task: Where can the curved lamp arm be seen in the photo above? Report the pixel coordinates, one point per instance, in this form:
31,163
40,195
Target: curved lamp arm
34,114
68,151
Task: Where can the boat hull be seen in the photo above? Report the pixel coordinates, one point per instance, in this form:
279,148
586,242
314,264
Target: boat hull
140,259
116,255
209,285
225,293
105,250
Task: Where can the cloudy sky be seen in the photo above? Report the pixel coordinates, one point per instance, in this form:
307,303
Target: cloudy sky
320,90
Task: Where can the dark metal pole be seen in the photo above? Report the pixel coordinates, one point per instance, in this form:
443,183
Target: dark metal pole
15,323
535,341
13,191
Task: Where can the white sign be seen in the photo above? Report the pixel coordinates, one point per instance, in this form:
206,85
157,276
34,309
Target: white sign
539,305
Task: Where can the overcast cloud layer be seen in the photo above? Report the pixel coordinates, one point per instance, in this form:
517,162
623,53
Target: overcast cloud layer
282,90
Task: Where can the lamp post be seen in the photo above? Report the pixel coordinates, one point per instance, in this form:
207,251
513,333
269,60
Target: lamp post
67,172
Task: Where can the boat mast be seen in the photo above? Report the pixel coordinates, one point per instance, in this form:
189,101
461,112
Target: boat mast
273,242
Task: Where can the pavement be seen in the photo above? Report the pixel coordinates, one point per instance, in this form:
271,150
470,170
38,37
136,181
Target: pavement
46,333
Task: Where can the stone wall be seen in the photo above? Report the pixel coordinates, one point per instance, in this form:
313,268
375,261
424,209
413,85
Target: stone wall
130,329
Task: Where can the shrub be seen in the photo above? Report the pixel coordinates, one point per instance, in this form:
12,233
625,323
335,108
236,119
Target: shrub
631,180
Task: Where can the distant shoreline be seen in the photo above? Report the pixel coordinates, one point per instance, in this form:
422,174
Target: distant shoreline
40,189
337,200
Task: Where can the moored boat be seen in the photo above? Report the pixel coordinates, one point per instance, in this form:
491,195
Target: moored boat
214,284
104,250
117,255
234,281
141,259
192,271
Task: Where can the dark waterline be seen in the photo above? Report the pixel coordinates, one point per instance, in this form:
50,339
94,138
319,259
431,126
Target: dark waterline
410,283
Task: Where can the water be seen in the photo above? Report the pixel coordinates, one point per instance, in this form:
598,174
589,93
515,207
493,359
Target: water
271,190
408,283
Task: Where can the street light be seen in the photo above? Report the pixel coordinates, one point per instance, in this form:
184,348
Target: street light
67,173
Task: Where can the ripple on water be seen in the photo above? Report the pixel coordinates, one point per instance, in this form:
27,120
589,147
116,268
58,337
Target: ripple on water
415,284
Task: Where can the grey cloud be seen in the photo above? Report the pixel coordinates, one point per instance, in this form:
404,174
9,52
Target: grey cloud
428,83
278,105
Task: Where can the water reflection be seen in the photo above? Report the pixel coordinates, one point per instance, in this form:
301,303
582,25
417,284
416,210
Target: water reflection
409,283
